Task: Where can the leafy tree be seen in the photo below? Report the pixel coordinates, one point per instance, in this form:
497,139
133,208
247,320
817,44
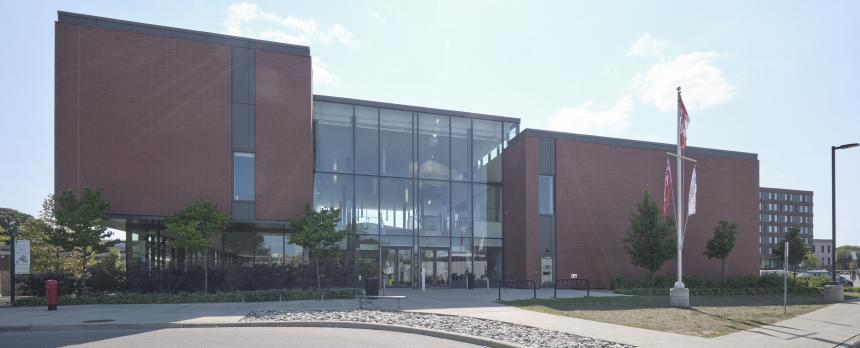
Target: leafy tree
195,227
843,256
796,248
809,260
10,221
80,227
722,244
650,241
316,232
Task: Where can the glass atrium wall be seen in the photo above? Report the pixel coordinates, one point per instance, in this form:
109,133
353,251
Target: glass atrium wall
416,190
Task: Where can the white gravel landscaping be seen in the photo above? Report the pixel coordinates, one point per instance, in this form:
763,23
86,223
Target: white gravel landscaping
502,331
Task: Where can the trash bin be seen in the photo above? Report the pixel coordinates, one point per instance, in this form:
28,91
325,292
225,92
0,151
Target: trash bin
371,286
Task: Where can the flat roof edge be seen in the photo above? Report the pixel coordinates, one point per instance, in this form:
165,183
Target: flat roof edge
784,189
376,104
179,33
637,143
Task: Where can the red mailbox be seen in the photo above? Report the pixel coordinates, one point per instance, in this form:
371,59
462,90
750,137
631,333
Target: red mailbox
51,294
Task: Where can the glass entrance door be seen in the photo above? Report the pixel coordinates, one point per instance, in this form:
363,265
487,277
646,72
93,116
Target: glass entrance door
397,267
434,262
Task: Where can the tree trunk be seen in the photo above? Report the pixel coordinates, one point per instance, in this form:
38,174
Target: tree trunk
317,262
206,273
723,272
652,278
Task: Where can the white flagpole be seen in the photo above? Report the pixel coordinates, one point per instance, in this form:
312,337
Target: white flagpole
679,217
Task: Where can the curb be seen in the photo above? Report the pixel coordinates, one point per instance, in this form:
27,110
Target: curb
481,341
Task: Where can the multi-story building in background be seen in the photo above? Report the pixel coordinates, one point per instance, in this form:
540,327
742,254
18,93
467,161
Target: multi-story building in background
779,211
823,250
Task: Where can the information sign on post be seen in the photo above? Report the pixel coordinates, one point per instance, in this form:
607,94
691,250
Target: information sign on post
22,257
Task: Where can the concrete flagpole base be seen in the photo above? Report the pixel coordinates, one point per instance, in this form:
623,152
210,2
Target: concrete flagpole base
679,297
834,293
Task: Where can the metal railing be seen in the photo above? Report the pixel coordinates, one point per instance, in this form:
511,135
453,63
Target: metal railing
518,284
571,284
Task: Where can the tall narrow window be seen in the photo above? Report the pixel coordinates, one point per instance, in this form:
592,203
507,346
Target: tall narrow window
545,195
243,176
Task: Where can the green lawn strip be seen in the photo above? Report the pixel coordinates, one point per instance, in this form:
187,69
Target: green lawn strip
709,316
198,297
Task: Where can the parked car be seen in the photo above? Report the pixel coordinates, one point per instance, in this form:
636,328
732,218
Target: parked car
840,279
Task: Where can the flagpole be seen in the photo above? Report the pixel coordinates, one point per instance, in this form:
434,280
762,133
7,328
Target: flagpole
679,296
679,217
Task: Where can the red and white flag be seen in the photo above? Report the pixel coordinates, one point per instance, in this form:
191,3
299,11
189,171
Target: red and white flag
684,120
667,187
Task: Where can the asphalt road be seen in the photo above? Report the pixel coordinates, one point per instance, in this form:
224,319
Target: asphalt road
225,337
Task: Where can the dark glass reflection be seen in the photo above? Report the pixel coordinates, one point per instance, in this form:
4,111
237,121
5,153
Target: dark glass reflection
333,137
434,146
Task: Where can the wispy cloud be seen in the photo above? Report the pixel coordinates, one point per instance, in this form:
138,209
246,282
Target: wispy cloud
590,119
321,74
647,46
704,85
249,20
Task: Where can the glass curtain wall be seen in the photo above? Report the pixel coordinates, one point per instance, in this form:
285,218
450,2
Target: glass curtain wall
416,190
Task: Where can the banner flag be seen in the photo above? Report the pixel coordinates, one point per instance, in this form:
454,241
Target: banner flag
691,208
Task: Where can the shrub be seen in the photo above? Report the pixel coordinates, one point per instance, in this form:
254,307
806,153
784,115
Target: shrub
717,291
34,284
197,297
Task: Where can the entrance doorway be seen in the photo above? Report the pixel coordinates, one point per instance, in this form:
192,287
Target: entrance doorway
434,262
397,266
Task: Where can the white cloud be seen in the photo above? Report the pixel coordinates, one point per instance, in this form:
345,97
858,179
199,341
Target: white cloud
375,15
249,20
447,43
703,84
647,46
586,118
342,35
321,74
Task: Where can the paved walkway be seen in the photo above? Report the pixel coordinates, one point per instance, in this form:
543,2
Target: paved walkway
827,327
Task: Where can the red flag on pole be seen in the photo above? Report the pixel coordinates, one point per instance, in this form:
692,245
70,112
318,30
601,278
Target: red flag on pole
684,120
667,187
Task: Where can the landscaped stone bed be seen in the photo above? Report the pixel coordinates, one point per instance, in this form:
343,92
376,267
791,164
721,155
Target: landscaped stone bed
502,331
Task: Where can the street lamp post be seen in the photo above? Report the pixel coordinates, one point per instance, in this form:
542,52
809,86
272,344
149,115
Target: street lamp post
833,206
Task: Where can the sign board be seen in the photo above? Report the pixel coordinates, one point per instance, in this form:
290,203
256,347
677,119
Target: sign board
574,276
854,255
22,257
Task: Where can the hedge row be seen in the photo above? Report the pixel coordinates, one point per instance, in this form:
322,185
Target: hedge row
717,291
736,282
196,297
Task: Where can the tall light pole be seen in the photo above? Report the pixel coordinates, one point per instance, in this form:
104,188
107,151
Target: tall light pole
833,206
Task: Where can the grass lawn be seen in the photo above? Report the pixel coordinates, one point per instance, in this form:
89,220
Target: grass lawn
709,316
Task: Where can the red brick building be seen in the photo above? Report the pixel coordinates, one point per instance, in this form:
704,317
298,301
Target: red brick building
158,117
591,185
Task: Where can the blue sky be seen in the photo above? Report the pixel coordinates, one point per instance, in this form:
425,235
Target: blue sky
776,78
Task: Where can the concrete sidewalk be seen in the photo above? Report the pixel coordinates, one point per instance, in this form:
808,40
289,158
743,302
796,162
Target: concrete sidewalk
828,327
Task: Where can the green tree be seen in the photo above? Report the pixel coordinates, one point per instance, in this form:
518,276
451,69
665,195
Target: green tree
722,244
316,232
650,241
80,227
844,260
809,260
10,221
195,227
796,248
